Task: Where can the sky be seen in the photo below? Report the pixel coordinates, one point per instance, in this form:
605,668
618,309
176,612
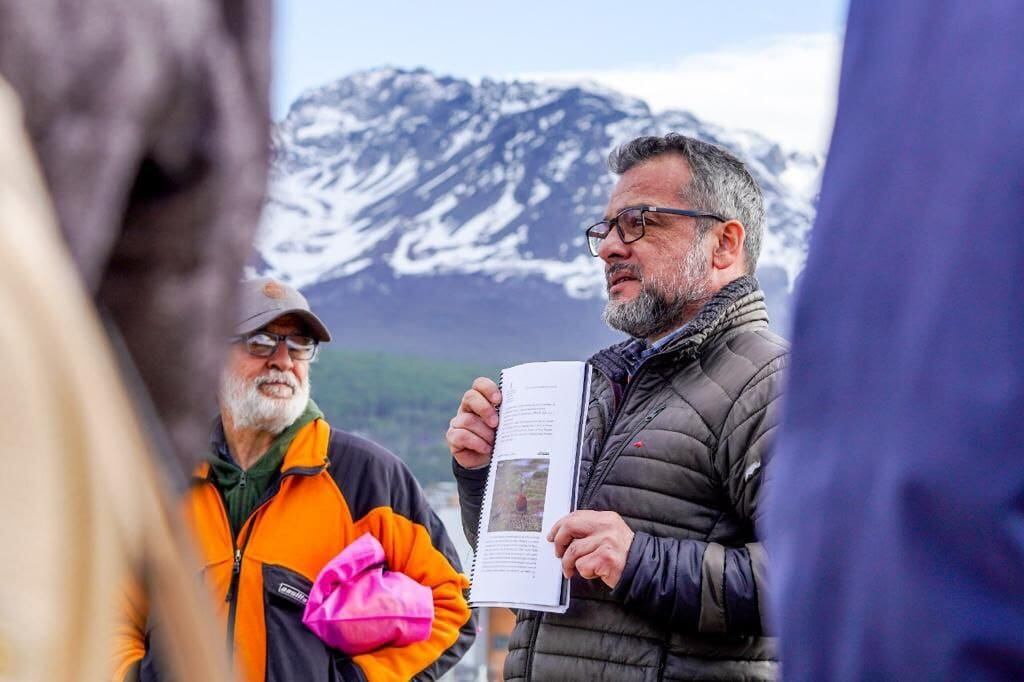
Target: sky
771,67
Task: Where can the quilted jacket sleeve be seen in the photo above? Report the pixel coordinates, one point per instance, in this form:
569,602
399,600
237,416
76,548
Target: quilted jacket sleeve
705,586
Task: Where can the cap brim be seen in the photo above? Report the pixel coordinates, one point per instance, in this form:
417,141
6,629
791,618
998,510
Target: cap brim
317,329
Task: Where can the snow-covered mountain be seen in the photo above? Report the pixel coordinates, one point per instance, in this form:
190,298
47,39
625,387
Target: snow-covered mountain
428,214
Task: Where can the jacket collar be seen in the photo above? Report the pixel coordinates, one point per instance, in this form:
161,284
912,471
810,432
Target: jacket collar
741,301
306,454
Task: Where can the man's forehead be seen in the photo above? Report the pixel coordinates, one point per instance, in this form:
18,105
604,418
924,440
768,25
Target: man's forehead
287,324
657,181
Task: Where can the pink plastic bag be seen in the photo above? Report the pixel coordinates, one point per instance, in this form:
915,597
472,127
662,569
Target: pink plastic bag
356,606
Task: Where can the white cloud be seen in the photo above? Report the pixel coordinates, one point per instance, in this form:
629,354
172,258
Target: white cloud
783,87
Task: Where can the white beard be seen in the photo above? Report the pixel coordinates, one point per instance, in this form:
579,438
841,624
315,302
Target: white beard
250,408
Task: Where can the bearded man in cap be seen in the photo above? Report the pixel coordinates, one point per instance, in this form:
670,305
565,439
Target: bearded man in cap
281,494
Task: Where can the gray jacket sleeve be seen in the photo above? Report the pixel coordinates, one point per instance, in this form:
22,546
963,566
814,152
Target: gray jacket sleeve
471,484
704,586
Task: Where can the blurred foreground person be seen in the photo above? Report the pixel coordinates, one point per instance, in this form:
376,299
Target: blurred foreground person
896,515
150,120
81,501
281,495
667,570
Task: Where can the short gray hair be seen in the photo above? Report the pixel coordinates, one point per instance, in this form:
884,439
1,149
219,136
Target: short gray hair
721,183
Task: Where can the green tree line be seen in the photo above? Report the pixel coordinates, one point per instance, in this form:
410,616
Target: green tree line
404,403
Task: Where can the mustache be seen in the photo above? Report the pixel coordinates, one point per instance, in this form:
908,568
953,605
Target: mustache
612,270
276,376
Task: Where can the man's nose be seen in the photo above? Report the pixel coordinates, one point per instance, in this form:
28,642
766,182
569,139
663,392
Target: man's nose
612,248
281,360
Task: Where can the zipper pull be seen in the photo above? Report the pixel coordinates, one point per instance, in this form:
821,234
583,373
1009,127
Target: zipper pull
236,569
653,413
243,479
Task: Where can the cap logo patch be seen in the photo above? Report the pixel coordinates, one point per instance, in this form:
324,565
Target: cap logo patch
273,290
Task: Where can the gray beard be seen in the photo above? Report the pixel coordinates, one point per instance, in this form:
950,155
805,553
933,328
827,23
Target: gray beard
250,409
661,308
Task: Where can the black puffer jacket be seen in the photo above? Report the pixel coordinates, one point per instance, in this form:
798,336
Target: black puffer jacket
679,452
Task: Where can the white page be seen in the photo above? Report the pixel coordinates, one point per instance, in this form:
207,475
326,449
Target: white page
531,485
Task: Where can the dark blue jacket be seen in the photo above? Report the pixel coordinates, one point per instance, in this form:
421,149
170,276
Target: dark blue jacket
896,502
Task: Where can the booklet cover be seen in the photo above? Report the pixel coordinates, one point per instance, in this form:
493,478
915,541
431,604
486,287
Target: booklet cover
531,484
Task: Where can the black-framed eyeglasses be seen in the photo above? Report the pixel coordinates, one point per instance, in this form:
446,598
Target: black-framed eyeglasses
631,224
263,344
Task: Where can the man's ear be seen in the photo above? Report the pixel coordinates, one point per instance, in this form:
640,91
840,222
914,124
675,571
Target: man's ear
728,245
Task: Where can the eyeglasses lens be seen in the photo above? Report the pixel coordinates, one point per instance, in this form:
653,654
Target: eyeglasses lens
301,347
632,223
596,235
263,345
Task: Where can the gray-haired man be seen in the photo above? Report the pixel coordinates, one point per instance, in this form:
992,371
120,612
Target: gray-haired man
667,571
281,493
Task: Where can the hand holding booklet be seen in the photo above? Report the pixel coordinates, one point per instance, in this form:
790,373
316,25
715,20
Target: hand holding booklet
531,484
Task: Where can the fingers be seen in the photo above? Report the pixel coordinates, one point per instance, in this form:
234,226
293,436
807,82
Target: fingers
578,548
470,459
576,525
554,531
488,389
475,425
562,537
604,563
468,449
474,402
592,544
464,439
470,435
481,400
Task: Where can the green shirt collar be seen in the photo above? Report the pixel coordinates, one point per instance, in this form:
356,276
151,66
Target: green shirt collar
243,490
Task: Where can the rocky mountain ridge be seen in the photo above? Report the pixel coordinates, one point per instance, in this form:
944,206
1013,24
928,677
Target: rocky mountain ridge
431,215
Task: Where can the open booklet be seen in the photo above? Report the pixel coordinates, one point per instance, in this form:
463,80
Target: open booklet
531,484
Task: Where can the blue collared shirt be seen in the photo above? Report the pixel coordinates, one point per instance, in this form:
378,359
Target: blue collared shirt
638,351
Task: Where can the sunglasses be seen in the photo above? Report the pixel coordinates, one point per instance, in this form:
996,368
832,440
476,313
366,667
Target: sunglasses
263,344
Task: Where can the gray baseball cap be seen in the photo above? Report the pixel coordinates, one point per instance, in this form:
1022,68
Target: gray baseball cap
263,300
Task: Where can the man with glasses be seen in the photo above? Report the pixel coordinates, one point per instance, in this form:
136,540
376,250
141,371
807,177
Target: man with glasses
281,494
668,574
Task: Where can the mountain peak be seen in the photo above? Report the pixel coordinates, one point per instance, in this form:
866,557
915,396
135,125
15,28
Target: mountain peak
396,173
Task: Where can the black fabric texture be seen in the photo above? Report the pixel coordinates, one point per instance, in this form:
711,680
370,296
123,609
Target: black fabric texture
296,654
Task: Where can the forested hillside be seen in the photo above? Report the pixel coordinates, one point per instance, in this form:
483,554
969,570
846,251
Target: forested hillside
402,402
